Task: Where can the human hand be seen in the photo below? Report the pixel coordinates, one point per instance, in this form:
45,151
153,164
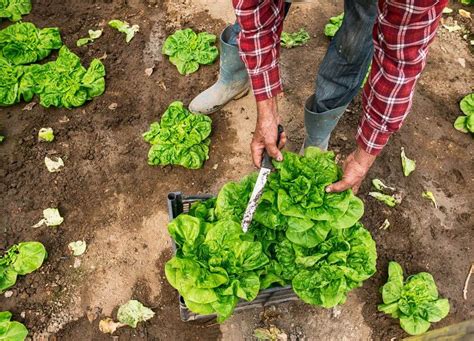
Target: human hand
355,168
266,132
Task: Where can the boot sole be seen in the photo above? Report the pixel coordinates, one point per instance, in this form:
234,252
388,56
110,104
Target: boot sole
238,96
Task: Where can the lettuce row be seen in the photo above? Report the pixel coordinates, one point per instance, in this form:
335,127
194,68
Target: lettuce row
300,235
14,9
60,83
414,301
187,49
180,138
24,43
20,259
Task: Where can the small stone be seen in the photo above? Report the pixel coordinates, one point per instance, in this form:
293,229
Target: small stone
23,314
113,106
77,263
8,293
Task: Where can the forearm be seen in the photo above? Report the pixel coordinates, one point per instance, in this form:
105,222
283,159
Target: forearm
402,35
261,24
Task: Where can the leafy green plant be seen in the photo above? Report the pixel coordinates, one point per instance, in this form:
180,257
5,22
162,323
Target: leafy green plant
93,35
414,301
300,235
2,138
465,123
14,9
187,49
290,40
467,2
63,82
124,27
11,330
23,43
20,259
333,25
180,138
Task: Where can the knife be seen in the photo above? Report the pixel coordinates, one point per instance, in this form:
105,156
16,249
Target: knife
257,192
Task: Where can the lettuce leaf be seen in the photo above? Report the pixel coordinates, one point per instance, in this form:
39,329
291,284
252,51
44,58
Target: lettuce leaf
180,138
11,330
333,25
290,40
124,27
20,259
187,49
10,76
23,43
14,9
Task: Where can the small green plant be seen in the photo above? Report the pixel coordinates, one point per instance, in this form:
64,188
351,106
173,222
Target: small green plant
187,50
20,259
11,330
414,301
333,25
180,138
290,40
465,123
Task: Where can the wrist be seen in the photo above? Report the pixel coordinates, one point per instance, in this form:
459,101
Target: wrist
363,158
267,107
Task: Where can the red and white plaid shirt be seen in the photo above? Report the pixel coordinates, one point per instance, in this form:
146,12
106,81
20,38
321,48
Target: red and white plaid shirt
402,33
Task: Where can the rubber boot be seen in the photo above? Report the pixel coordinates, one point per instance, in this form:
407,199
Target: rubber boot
233,81
319,126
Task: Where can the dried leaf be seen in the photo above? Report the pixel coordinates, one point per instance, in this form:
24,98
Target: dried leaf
77,248
385,225
447,10
271,333
465,14
29,106
408,165
452,28
149,71
109,326
133,312
53,165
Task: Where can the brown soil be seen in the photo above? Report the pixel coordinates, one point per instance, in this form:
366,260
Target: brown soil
111,198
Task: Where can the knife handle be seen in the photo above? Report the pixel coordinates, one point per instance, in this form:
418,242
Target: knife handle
267,160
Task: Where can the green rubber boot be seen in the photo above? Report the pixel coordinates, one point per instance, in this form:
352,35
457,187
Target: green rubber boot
319,126
233,81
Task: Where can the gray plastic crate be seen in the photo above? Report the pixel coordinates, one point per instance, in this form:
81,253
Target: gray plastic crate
177,204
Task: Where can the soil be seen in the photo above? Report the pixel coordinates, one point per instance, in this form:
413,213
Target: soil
114,201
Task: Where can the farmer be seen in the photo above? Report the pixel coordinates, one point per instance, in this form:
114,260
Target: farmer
392,34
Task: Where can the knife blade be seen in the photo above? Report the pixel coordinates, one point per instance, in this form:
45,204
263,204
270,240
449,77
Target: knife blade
257,192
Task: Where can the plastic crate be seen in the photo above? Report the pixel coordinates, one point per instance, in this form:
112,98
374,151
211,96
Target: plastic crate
177,204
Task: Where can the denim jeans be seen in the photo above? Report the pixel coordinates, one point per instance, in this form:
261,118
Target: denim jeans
348,57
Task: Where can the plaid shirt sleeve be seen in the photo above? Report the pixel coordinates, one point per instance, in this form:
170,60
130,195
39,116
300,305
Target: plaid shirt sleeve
402,33
261,23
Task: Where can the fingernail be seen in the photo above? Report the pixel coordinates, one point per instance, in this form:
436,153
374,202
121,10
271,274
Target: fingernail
279,158
328,190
